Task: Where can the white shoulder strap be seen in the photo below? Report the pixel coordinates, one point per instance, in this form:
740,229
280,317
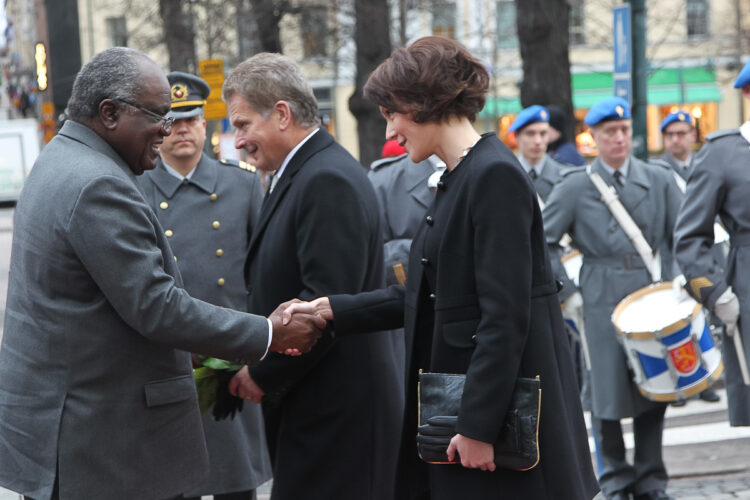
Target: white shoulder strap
681,183
610,198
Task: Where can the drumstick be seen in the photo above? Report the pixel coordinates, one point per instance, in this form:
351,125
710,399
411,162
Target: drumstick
737,336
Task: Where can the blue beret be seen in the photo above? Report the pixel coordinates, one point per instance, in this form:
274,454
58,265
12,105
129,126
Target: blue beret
188,93
532,114
744,77
608,109
677,116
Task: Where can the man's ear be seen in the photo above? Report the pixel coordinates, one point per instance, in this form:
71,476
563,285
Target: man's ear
283,114
109,113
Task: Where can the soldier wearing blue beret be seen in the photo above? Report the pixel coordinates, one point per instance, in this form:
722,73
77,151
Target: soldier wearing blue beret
208,209
611,270
679,136
720,185
531,127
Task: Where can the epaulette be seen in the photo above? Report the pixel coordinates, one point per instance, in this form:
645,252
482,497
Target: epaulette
571,169
722,133
239,164
386,161
660,163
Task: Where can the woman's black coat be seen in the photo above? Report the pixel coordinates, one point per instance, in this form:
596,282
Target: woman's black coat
481,299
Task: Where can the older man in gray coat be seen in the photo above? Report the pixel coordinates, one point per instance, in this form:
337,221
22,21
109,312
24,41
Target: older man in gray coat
611,270
209,208
97,398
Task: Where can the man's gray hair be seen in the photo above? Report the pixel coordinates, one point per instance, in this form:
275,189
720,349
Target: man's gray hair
267,78
111,74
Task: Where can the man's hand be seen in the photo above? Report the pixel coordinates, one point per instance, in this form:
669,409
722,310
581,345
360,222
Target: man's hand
300,332
474,454
320,307
727,309
243,386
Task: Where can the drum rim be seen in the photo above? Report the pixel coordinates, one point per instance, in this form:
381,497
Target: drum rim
698,387
571,255
667,330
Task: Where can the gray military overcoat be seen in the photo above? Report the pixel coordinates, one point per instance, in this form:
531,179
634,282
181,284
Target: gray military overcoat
611,267
210,218
720,185
551,175
403,195
95,377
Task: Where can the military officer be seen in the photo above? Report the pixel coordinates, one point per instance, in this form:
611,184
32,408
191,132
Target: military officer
403,195
208,208
531,127
611,270
720,185
680,135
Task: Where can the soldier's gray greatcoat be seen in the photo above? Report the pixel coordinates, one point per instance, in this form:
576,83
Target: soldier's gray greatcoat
403,196
211,258
96,383
611,267
683,172
720,185
551,175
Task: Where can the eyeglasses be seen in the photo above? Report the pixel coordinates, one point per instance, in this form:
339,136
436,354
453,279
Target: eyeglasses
165,123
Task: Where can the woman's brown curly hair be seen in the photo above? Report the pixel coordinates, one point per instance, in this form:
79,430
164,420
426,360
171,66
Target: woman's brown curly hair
433,79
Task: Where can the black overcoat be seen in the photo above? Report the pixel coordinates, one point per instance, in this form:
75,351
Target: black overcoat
481,300
336,410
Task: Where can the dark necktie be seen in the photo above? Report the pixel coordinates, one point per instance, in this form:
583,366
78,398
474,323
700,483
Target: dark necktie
619,178
532,174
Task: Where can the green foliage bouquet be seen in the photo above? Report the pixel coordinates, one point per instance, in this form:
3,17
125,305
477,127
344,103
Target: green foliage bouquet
212,382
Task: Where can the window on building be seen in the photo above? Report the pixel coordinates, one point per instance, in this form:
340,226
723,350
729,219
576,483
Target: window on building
117,31
444,19
314,28
506,31
575,22
697,17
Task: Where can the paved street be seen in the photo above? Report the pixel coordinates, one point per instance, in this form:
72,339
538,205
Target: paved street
706,458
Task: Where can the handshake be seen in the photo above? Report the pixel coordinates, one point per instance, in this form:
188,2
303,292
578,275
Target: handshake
297,325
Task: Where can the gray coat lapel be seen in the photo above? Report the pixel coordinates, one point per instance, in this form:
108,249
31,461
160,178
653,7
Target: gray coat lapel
636,187
549,177
204,178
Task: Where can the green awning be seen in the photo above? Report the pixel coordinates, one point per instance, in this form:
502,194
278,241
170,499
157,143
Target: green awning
665,86
499,106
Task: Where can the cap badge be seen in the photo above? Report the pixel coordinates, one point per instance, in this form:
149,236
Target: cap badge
179,92
681,117
620,110
543,114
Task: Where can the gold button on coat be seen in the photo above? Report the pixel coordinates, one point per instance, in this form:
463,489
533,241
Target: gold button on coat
221,282
213,196
219,252
216,224
175,258
163,205
169,233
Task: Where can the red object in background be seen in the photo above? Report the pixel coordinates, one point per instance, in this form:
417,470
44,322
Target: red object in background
392,148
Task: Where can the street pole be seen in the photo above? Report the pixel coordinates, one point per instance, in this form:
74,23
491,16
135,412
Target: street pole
640,73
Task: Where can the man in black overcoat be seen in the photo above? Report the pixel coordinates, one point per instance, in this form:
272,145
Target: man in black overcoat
334,414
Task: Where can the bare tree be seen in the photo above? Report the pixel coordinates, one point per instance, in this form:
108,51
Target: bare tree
543,38
178,35
373,41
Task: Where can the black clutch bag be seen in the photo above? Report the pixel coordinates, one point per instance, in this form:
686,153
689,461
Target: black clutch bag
439,399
